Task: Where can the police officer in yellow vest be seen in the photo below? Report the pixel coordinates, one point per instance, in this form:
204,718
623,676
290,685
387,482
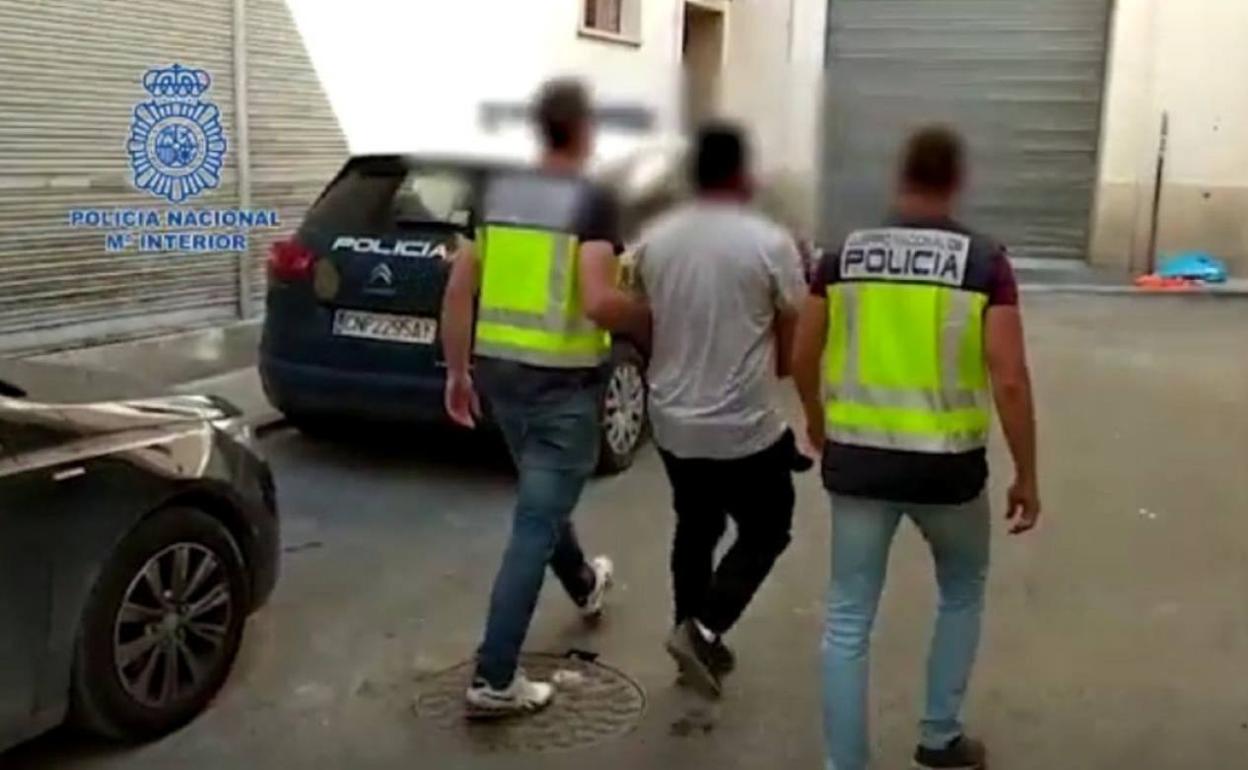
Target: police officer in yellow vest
545,267
911,328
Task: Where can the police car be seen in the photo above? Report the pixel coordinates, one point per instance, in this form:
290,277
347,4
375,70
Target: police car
354,298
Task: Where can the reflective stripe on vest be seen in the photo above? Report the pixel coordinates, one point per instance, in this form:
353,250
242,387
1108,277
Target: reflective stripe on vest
530,308
904,367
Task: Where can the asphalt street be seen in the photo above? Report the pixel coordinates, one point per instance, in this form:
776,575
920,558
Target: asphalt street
1116,635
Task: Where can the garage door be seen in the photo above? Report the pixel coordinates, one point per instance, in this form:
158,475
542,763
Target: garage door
70,77
1022,79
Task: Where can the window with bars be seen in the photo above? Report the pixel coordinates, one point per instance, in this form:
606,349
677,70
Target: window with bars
605,16
614,19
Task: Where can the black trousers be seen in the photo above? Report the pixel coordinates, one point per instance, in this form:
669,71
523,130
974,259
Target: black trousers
757,493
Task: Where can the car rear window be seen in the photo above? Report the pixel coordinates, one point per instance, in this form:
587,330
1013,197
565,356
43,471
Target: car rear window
435,195
380,193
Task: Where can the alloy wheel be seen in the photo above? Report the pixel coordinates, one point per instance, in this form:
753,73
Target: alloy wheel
625,408
170,630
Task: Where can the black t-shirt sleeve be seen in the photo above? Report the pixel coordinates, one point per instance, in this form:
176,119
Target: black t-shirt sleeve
1003,287
828,271
600,219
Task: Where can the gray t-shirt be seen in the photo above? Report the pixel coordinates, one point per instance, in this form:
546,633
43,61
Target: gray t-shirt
716,274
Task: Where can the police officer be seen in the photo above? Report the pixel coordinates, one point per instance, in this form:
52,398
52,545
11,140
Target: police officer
914,325
545,265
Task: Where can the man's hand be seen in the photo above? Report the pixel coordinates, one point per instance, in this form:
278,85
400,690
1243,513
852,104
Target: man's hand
462,403
1022,508
604,303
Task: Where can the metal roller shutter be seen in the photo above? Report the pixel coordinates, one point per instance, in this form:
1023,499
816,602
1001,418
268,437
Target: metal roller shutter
69,79
296,143
1023,80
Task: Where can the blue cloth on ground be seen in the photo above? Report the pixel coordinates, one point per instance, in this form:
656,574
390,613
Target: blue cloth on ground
1196,265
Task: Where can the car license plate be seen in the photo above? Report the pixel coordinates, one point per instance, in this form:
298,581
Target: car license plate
408,329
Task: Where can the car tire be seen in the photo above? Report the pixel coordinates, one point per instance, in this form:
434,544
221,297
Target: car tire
119,678
625,420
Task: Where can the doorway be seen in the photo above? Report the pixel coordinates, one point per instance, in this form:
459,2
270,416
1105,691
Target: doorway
702,57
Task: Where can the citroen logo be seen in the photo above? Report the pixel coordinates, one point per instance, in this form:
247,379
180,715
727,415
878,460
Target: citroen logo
382,275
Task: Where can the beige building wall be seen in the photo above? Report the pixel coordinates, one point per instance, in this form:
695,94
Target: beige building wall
411,75
772,74
1186,59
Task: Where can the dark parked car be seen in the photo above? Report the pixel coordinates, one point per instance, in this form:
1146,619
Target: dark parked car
136,536
351,329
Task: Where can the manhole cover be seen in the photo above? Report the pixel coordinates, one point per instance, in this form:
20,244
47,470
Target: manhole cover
593,704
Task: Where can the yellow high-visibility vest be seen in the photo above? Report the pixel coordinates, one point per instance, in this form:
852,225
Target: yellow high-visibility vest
530,305
904,365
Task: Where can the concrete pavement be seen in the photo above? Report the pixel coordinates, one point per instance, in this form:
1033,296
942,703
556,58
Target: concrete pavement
1115,637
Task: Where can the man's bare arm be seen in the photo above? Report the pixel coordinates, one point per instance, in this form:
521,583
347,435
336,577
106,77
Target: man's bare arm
808,345
788,288
785,329
603,301
457,318
1011,388
457,308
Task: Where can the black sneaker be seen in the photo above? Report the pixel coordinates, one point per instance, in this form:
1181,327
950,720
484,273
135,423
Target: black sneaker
723,661
695,656
961,753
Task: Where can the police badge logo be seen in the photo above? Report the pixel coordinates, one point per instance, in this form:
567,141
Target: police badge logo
177,143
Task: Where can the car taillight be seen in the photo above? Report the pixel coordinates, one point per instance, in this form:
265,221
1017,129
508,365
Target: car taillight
289,260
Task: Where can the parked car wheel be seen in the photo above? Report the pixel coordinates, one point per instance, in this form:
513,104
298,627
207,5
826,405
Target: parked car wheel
625,422
161,628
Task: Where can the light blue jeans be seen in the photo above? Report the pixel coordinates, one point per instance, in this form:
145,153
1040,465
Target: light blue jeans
862,533
554,442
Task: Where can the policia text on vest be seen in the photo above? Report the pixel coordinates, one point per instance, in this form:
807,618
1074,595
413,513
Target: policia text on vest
927,256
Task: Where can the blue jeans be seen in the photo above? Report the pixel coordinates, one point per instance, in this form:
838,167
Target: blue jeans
554,442
862,532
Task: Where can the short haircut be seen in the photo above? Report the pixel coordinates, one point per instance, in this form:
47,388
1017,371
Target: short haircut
562,109
933,160
721,158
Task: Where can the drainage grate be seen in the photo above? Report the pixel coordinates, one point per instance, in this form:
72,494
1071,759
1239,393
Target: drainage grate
594,704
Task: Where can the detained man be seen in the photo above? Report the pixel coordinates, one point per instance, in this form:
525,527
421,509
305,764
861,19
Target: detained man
724,285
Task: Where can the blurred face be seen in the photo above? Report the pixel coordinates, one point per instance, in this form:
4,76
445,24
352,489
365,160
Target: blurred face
583,138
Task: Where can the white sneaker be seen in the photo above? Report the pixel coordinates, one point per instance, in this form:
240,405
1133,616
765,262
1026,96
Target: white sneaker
604,577
521,697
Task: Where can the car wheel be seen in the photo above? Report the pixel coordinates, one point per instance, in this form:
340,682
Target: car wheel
161,627
624,417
